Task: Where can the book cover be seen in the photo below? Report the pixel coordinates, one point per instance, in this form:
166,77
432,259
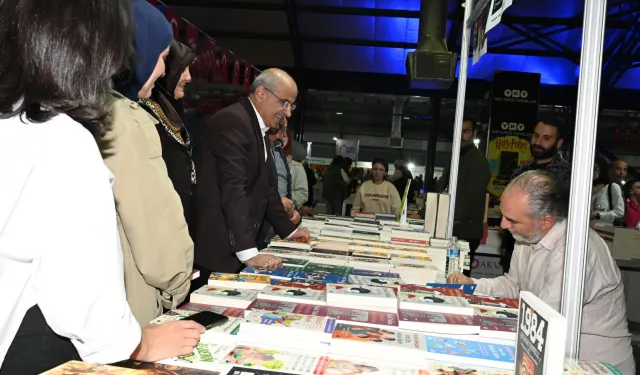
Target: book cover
379,336
291,244
421,258
373,280
290,307
370,291
503,355
320,277
203,356
147,368
294,262
494,302
286,272
354,366
363,316
325,269
230,293
410,288
580,367
320,250
234,277
446,368
370,260
292,320
289,284
498,324
495,313
437,318
375,273
301,293
272,359
251,371
427,299
369,254
468,289
231,312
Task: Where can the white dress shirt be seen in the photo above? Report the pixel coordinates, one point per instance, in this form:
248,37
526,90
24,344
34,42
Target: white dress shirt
600,203
539,269
59,245
245,255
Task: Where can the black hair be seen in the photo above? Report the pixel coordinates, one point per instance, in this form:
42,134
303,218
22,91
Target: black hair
380,161
472,121
556,122
337,160
60,59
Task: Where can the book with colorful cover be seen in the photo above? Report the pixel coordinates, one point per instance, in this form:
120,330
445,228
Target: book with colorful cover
287,293
290,307
366,290
232,297
363,317
443,304
468,289
245,278
580,367
273,359
203,356
289,284
494,302
320,250
411,288
498,327
326,269
448,368
412,316
235,370
370,254
286,272
373,280
158,369
496,313
294,262
470,352
372,273
231,312
349,365
319,277
420,258
291,321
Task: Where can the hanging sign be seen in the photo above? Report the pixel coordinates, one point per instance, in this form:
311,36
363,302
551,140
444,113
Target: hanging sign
348,148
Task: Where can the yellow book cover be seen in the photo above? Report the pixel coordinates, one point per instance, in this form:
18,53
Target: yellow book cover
414,257
244,278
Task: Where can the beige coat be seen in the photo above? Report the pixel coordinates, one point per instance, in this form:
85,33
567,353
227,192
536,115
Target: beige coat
157,249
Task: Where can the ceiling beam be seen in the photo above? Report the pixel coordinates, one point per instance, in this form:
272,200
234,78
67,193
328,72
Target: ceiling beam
375,43
612,21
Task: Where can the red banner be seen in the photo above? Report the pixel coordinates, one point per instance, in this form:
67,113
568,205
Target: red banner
174,19
235,78
224,66
192,37
256,73
246,77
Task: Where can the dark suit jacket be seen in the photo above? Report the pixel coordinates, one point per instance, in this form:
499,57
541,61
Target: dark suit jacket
235,188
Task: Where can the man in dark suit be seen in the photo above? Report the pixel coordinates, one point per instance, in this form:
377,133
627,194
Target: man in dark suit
236,188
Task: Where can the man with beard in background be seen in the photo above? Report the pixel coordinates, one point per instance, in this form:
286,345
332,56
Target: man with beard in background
535,210
546,141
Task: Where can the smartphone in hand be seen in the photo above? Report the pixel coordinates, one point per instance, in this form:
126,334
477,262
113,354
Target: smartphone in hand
208,319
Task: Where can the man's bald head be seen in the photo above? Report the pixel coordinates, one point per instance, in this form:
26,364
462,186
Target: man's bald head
273,93
272,79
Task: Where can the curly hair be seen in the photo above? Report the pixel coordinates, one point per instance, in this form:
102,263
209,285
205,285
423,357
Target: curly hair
61,59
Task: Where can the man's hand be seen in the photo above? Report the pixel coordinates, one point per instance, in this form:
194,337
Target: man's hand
266,261
307,211
287,204
295,217
166,340
458,278
301,235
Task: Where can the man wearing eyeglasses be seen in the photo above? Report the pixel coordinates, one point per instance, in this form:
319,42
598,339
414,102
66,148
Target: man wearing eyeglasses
236,188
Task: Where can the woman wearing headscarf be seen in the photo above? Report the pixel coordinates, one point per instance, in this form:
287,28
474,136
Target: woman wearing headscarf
158,252
166,106
61,266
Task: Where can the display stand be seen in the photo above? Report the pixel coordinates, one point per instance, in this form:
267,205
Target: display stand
595,13
587,110
457,128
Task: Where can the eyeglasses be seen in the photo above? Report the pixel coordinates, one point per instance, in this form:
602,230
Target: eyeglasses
285,103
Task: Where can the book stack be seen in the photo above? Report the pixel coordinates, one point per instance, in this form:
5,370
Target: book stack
363,297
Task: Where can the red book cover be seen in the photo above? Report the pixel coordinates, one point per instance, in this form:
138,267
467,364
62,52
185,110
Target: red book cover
494,302
231,312
498,324
288,284
409,240
363,316
290,307
437,318
409,288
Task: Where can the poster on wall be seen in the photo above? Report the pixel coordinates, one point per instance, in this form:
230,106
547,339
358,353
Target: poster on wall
348,148
514,113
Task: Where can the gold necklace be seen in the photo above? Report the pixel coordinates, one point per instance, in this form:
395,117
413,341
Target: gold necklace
173,130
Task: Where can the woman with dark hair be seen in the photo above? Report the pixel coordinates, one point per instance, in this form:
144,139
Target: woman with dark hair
166,106
158,252
60,258
377,195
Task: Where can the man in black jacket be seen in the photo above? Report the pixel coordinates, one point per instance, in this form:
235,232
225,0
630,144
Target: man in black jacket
236,188
473,178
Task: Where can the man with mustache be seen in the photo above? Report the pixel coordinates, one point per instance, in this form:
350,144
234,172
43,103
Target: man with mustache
535,211
236,188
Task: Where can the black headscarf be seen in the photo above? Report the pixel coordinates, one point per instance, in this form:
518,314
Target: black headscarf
180,57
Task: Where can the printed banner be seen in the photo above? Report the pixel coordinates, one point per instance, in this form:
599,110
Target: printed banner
480,35
514,113
235,77
247,77
174,19
224,66
496,7
348,148
192,36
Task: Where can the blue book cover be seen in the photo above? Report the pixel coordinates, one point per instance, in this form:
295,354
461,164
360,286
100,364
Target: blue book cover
375,274
468,289
325,279
504,356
